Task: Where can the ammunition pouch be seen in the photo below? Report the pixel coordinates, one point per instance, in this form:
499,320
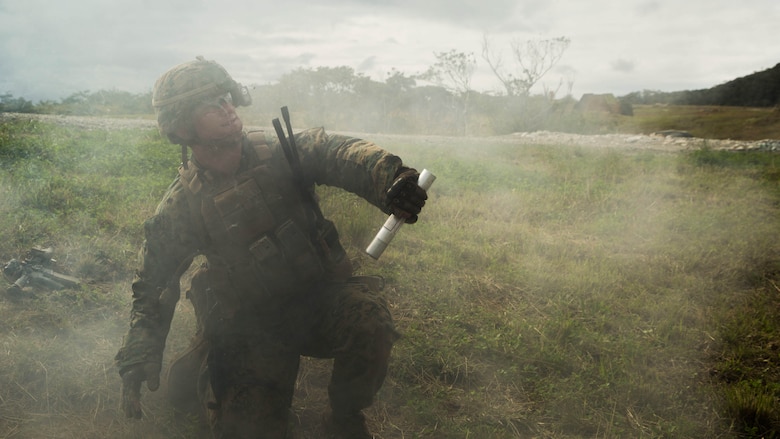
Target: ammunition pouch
258,228
286,256
264,248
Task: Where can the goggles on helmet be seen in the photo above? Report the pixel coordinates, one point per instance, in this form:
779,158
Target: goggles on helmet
212,102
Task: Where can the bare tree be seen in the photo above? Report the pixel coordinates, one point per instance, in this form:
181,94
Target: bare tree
453,71
533,58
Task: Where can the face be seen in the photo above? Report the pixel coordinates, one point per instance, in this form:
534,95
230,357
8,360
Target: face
216,122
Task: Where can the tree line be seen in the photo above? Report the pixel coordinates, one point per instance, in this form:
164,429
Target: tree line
438,101
338,98
83,103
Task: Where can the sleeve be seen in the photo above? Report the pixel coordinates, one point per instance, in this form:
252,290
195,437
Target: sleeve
169,247
352,164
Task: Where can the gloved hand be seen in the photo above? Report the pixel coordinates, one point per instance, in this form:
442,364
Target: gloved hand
405,197
131,386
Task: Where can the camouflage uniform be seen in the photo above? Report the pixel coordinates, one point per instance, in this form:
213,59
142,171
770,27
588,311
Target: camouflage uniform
256,315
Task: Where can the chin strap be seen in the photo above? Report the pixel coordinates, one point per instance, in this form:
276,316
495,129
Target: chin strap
184,158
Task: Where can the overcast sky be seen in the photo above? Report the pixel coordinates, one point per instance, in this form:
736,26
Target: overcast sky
50,49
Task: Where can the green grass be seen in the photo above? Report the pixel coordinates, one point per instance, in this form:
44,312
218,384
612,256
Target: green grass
707,122
547,291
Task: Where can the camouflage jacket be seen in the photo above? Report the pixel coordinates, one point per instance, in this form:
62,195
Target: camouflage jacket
172,237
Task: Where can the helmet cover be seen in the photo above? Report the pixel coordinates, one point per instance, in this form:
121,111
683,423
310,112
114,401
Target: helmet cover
179,90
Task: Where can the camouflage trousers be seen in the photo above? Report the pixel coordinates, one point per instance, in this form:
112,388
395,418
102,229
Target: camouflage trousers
240,372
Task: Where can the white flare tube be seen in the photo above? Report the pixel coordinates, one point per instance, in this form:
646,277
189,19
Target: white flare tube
394,223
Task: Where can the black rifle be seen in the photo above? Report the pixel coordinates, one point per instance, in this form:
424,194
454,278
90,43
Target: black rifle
34,270
323,231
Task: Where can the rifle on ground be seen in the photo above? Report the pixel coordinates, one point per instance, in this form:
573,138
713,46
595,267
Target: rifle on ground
35,270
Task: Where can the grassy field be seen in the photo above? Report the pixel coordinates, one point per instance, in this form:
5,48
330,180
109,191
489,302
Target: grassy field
547,292
706,122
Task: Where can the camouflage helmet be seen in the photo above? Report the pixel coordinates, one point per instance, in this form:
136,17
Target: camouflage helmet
182,87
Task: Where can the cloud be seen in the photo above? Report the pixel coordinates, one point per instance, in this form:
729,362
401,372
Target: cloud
623,65
459,13
49,50
367,64
648,8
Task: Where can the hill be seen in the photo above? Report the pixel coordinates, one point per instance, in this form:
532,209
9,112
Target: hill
760,89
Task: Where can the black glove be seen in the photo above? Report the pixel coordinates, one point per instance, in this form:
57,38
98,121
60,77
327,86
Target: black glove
405,198
131,386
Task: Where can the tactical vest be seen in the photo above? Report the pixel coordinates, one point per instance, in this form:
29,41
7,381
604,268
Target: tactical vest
260,230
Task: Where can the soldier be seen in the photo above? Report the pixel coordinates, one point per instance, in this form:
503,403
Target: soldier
276,284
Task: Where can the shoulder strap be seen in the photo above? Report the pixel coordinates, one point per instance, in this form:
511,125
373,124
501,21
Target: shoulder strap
259,144
192,186
190,179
